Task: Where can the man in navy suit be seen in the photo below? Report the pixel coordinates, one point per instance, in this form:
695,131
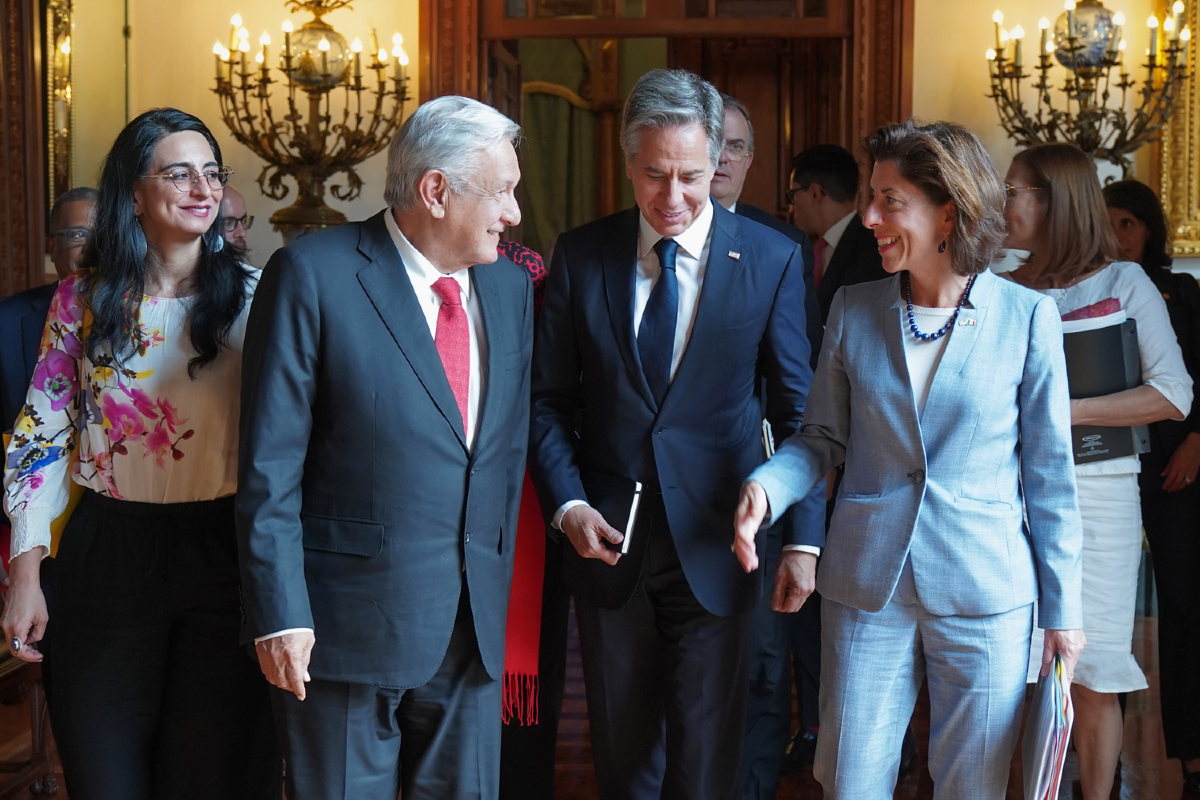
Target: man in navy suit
385,418
658,328
23,315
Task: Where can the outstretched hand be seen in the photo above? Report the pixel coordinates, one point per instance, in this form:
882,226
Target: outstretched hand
752,509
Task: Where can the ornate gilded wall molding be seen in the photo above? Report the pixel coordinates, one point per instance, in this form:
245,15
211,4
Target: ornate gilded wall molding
1180,167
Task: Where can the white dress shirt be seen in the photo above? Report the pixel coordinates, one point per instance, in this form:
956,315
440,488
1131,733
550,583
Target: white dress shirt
924,355
832,237
423,275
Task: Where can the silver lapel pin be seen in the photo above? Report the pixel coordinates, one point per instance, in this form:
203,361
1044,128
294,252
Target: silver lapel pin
966,321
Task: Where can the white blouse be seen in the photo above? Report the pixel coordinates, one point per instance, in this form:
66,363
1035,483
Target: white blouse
1125,285
142,430
924,355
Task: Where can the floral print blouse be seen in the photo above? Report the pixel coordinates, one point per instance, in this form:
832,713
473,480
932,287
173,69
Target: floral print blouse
143,430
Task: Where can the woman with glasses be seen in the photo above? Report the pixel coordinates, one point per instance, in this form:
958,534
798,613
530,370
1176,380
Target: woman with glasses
136,397
1056,212
1170,494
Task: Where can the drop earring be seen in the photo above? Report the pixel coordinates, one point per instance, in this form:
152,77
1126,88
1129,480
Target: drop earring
942,246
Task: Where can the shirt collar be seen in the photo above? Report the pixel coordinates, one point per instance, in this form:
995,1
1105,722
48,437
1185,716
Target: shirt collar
691,240
837,229
420,271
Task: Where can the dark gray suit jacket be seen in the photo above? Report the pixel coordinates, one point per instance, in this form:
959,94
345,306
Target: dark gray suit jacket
360,509
856,259
22,320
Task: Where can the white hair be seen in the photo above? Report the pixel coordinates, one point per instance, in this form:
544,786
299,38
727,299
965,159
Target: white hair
669,98
446,135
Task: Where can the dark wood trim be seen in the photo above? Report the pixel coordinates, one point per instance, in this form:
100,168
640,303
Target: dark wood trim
22,167
496,26
449,48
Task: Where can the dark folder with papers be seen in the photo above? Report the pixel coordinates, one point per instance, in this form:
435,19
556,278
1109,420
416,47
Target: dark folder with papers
617,499
1047,733
1103,358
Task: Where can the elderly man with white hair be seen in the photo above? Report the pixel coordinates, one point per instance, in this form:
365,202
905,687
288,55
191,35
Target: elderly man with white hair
385,414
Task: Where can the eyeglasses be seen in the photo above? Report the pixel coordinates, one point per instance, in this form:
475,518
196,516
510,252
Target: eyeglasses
735,151
74,236
230,223
1011,190
185,178
790,195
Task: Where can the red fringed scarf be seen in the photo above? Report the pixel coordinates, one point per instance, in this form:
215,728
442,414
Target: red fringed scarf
523,632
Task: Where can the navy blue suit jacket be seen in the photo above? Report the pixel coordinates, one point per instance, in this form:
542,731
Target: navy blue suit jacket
22,320
595,421
360,508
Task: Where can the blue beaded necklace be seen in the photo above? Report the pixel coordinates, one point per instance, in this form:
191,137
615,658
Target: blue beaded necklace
906,282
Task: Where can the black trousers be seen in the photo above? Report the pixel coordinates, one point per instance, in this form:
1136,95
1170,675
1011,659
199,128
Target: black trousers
527,752
153,695
666,684
1172,522
437,741
769,707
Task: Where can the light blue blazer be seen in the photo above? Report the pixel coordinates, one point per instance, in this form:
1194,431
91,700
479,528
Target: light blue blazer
950,490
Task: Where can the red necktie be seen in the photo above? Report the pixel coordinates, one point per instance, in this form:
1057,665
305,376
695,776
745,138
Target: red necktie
819,258
453,340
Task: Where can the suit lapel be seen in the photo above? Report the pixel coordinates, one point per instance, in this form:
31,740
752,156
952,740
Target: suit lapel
894,326
497,343
619,256
386,283
720,274
831,281
961,341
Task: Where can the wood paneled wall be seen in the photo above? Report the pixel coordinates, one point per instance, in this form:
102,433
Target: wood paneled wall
22,170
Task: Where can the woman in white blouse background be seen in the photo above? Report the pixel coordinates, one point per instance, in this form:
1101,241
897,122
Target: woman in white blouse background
1056,211
136,398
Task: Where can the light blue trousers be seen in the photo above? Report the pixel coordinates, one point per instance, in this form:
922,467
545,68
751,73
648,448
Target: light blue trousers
871,671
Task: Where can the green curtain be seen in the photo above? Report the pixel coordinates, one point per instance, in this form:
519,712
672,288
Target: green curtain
559,153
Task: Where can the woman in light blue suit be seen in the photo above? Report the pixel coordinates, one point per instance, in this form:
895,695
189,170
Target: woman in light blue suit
943,391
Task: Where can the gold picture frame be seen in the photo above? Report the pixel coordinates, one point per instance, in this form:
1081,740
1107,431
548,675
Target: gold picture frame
1180,155
60,125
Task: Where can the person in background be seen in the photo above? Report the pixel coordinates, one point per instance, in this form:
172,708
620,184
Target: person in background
535,640
23,315
822,198
22,321
662,322
944,392
769,706
729,179
1170,494
385,420
235,221
822,203
135,397
1056,212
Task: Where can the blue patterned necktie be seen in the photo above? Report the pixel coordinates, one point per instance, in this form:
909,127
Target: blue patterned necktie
656,336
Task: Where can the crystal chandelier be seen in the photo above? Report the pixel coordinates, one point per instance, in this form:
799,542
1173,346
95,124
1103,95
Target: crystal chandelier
1087,41
315,63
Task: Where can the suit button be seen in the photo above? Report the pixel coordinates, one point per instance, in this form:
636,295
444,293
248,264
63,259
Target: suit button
474,470
660,429
917,476
467,537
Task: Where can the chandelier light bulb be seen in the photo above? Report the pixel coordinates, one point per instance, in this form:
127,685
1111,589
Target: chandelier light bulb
225,53
1018,33
323,45
356,45
397,39
383,55
397,51
217,49
990,55
244,45
1050,47
1069,5
265,39
1118,18
998,17
1153,21
1168,24
287,26
259,57
244,33
1003,36
65,47
236,20
1185,34
1121,46
1178,7
1043,23
403,57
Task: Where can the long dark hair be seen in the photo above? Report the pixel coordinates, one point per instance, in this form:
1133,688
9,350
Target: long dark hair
1140,200
118,257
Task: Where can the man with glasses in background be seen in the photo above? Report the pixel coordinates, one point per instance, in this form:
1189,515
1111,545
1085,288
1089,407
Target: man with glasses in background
235,222
22,320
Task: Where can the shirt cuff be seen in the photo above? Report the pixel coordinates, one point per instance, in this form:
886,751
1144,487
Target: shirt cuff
556,523
281,633
30,529
802,548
